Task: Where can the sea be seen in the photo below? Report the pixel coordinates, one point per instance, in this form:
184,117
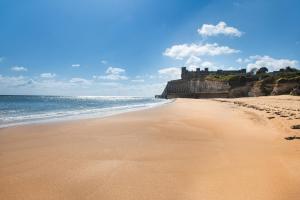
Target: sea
23,109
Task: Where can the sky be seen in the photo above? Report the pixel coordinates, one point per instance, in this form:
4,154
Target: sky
133,47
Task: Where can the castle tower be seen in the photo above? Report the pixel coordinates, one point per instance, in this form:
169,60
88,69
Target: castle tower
183,73
198,72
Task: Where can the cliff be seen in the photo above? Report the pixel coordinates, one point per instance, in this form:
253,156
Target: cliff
196,89
232,86
286,85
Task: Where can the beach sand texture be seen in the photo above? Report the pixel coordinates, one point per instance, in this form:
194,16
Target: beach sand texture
222,149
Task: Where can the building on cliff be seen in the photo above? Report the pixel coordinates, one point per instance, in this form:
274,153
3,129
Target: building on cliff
193,84
201,74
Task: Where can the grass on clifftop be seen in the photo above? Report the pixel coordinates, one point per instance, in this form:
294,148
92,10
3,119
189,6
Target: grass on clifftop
270,76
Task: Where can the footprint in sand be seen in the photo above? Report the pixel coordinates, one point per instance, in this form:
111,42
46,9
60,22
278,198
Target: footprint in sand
295,126
292,138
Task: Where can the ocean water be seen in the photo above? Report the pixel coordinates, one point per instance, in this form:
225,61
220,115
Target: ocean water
17,110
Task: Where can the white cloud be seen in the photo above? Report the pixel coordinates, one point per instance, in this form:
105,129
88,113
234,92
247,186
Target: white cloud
271,63
254,57
195,62
47,75
146,76
78,86
76,65
113,77
138,80
220,29
241,60
74,86
170,73
18,81
188,50
19,69
209,65
114,70
80,81
113,73
104,62
12,81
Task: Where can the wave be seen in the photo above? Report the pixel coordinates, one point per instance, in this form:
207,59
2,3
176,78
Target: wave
20,117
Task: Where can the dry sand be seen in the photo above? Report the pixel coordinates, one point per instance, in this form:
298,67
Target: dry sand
189,149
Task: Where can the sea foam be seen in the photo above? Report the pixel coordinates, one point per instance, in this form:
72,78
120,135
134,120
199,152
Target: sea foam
18,110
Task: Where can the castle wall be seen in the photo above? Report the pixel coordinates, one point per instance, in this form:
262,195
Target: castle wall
201,74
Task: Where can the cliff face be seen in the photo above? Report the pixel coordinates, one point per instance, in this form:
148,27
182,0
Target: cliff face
196,89
285,86
199,88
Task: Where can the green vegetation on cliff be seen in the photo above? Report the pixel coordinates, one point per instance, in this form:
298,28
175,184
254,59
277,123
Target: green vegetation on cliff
261,82
224,78
281,76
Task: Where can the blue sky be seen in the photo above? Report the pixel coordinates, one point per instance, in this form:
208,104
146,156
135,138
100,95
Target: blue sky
133,47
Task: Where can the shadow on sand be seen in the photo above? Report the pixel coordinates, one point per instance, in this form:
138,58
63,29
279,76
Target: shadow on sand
292,138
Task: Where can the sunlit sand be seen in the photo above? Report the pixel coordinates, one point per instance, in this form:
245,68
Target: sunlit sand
189,149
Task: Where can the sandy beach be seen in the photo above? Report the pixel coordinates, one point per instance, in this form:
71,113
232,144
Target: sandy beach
219,149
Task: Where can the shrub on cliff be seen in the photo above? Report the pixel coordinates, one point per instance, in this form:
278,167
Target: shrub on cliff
224,78
289,69
237,81
262,70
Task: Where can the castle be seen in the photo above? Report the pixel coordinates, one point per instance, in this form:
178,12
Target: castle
232,83
201,74
193,84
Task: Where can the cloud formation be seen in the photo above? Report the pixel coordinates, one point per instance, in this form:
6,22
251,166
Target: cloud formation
113,73
19,69
78,86
220,29
80,81
76,65
170,73
271,63
194,62
12,81
138,80
209,65
47,75
187,50
114,70
104,62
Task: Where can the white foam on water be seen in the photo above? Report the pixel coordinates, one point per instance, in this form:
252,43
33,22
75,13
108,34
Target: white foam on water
8,121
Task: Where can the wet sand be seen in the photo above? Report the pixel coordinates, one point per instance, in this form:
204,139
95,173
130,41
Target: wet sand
189,149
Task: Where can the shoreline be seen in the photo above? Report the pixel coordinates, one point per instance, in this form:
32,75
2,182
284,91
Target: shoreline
187,149
90,116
